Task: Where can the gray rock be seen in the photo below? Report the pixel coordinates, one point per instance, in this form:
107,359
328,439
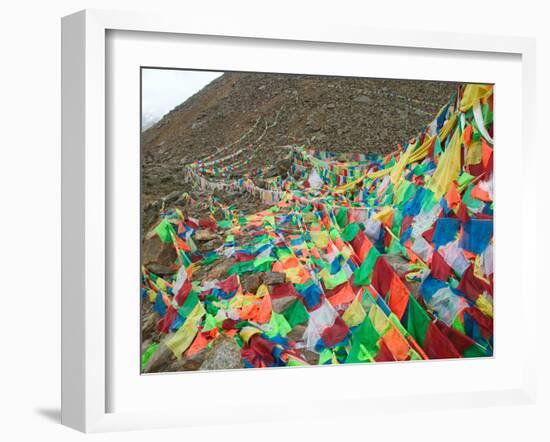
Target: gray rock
296,333
211,245
273,278
219,270
250,282
225,354
362,99
189,364
311,357
157,256
149,325
172,196
205,235
279,305
399,264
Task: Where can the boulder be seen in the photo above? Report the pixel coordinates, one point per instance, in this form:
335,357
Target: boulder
219,269
172,197
311,357
399,264
211,245
296,333
279,305
225,354
273,278
251,281
192,363
149,324
158,257
203,235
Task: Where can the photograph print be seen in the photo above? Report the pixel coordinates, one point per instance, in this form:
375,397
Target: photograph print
304,220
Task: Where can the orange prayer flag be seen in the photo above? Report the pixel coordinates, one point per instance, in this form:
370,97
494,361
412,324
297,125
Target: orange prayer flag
399,296
453,197
182,245
198,344
467,136
396,343
486,152
264,313
249,312
344,296
480,194
315,253
290,262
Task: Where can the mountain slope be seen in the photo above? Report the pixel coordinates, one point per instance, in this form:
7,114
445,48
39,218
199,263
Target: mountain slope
259,112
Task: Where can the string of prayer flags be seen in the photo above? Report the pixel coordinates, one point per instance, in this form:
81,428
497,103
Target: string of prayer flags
358,258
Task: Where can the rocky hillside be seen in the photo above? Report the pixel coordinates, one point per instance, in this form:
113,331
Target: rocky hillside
258,113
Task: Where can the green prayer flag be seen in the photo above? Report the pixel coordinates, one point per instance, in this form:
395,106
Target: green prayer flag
188,305
463,180
148,353
437,148
363,274
471,203
296,314
342,217
404,192
418,321
259,262
335,280
364,343
224,224
474,351
325,356
278,325
350,232
209,323
165,231
209,259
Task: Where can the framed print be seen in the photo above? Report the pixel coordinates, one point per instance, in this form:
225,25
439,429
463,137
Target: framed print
249,211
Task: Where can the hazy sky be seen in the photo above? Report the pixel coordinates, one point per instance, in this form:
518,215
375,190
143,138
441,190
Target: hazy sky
164,89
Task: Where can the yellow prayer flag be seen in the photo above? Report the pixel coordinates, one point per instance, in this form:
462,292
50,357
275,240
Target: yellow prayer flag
379,320
473,93
447,169
354,314
473,155
183,338
320,238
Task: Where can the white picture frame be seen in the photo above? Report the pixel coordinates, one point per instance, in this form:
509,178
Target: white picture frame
85,201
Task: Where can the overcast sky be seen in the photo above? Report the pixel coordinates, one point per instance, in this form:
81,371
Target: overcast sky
164,89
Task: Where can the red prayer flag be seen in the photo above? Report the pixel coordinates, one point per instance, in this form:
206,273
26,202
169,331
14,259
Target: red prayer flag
230,284
437,345
439,267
